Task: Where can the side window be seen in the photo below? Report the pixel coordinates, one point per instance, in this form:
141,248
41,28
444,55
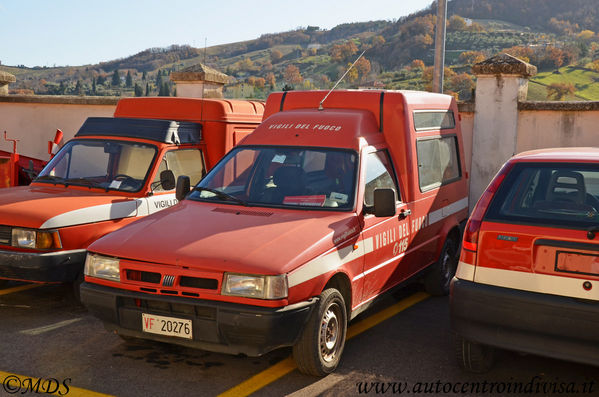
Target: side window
188,162
379,174
438,162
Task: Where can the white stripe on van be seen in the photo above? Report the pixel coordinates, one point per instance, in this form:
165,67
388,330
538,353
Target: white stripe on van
96,213
326,263
535,282
444,212
329,262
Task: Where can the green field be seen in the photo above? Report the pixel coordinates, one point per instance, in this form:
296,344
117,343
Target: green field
585,82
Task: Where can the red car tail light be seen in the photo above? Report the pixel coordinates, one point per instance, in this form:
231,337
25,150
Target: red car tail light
470,241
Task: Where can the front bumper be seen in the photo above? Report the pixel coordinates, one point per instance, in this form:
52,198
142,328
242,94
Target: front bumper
59,266
530,322
216,326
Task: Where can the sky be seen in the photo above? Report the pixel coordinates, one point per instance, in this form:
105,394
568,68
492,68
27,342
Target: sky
82,32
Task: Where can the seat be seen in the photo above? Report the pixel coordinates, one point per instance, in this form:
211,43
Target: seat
567,186
289,181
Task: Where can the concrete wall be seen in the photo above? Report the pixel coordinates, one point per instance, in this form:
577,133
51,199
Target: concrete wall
557,124
34,119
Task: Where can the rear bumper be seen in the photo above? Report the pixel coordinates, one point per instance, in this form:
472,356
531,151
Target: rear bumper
60,266
216,326
547,325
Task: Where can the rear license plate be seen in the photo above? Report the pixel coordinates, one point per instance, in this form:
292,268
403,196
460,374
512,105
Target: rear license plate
168,326
578,263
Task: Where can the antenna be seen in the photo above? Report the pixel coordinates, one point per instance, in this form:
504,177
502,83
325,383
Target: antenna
339,81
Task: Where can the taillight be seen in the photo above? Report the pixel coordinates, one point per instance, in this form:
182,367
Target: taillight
470,241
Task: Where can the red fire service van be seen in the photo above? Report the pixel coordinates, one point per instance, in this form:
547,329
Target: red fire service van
323,208
115,170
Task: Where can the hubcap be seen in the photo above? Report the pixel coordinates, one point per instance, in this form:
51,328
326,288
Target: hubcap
329,333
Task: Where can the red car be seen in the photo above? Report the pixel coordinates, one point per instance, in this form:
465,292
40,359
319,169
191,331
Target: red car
528,276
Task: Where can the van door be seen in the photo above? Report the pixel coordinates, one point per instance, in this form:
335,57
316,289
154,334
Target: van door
388,237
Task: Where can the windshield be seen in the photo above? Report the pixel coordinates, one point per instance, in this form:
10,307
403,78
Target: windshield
112,165
282,176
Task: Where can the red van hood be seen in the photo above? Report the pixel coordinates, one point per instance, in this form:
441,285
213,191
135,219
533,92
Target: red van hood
229,238
47,207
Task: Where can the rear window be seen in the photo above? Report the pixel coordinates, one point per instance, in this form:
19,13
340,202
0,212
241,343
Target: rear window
564,195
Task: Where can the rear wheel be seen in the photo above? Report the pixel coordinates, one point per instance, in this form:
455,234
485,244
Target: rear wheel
437,281
319,349
474,357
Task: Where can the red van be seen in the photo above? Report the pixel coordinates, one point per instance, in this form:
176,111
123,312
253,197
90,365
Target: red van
109,175
528,276
323,208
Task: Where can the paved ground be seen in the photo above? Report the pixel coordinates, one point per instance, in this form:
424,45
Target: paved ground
45,334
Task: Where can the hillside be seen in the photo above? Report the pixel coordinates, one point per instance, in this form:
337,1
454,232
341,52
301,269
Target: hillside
398,54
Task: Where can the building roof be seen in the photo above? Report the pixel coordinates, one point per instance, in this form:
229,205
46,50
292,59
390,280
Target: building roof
200,72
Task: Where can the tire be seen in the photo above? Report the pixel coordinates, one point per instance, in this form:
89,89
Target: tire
437,280
320,347
75,287
474,357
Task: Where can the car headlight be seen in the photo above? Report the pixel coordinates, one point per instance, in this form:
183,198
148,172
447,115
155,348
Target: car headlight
35,239
101,266
250,286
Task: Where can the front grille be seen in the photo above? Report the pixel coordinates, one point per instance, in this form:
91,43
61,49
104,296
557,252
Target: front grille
5,235
169,280
146,277
196,282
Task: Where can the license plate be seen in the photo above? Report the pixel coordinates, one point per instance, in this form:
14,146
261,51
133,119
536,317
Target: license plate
168,326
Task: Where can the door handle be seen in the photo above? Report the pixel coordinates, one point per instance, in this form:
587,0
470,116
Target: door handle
403,214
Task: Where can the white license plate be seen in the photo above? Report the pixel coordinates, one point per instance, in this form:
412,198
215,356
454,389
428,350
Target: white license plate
169,326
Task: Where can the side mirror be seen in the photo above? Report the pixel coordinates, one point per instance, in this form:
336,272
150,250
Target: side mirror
183,187
384,202
167,180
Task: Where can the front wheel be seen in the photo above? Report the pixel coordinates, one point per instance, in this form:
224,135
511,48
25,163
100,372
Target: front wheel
437,281
319,349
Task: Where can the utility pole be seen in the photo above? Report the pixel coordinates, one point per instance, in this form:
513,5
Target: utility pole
440,46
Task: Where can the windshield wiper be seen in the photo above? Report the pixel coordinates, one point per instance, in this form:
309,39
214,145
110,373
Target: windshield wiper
221,195
82,181
50,178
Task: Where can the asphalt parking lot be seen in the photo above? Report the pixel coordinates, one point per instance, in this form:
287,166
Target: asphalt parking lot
401,346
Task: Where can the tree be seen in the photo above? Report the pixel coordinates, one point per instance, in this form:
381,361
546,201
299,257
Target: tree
324,81
143,76
164,90
558,91
378,41
275,56
462,84
343,52
101,79
138,90
271,80
417,64
363,67
78,88
292,75
116,78
129,79
456,23
471,57
147,89
93,85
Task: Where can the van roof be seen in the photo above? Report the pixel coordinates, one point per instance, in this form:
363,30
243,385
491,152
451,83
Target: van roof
571,154
191,109
165,131
378,102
